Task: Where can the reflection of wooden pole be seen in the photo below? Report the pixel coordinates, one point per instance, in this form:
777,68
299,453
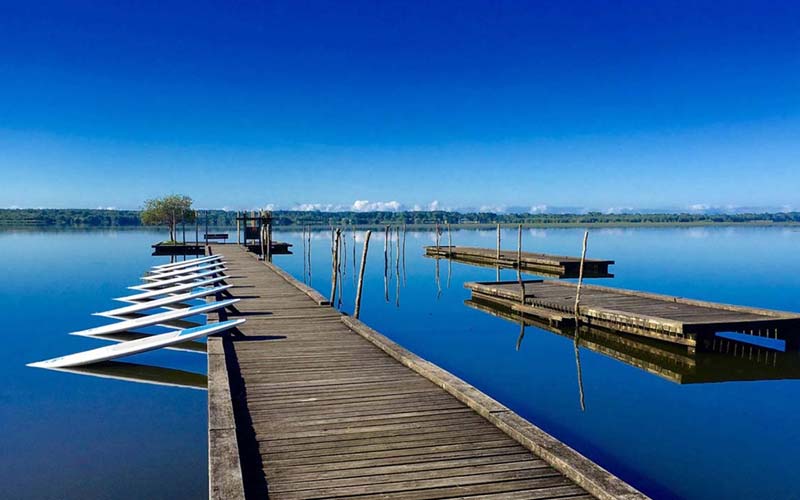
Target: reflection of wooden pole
357,308
580,277
334,265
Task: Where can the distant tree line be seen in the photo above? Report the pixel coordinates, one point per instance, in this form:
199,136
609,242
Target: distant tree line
219,218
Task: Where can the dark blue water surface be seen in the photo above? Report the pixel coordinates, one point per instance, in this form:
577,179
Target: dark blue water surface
75,436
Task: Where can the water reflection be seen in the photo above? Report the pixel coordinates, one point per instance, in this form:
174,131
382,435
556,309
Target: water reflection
143,374
725,360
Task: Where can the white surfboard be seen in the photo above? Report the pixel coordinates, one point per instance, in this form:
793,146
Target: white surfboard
156,319
186,263
136,346
186,270
179,279
139,297
163,302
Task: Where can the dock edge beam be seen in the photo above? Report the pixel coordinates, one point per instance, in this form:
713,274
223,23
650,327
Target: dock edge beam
225,480
587,474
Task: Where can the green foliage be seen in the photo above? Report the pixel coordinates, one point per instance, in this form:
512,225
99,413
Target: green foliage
170,211
220,218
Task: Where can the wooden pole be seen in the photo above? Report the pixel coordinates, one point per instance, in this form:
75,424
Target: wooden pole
357,307
261,242
334,272
580,278
339,247
305,255
196,230
386,263
449,254
397,268
238,228
404,254
577,323
309,255
353,229
519,265
498,245
497,257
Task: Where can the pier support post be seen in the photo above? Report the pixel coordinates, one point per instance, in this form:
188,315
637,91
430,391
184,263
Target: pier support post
357,307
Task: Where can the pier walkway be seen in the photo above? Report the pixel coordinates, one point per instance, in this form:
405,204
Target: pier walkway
309,403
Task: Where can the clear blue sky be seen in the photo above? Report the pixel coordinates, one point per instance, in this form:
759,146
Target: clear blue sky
241,104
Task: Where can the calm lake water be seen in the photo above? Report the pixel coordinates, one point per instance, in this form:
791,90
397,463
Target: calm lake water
76,436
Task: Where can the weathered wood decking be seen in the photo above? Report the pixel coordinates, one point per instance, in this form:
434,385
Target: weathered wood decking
324,407
725,360
556,266
674,319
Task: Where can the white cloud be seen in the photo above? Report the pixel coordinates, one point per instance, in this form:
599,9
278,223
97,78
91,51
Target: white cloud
106,208
376,206
538,209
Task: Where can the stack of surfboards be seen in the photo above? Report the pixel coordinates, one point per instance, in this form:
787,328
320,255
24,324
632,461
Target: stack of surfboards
169,295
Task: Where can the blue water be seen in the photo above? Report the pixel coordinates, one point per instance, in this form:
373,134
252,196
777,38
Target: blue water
708,440
75,436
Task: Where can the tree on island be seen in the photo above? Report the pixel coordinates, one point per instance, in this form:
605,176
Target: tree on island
170,211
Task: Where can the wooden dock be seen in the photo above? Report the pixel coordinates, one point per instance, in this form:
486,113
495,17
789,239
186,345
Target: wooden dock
726,360
688,322
308,403
555,266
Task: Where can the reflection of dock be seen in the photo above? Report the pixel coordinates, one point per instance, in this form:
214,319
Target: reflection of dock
143,374
557,266
725,361
691,323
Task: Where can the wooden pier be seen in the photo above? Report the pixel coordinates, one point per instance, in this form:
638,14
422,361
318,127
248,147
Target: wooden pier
692,323
555,266
726,360
309,403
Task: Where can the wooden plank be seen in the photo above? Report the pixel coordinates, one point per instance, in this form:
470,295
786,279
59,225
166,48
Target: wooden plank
332,413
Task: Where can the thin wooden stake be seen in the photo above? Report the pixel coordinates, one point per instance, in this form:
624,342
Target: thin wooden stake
357,307
580,277
497,258
519,265
334,271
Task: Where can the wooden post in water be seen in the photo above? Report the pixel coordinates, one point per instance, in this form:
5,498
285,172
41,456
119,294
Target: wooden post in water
386,263
262,239
404,254
449,254
309,255
238,228
305,255
357,307
580,277
196,230
519,265
497,261
334,264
